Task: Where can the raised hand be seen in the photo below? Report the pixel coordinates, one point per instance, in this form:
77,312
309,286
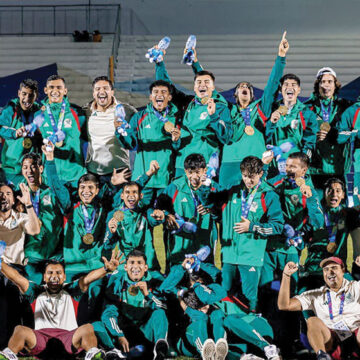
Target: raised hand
211,106
158,214
121,177
25,195
290,268
175,134
153,168
114,262
284,46
48,151
113,224
275,116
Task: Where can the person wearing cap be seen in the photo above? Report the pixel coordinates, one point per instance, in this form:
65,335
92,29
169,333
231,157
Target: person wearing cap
336,305
249,120
327,160
292,126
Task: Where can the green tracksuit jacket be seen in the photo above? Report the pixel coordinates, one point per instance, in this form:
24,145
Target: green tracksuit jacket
148,137
12,118
328,155
68,158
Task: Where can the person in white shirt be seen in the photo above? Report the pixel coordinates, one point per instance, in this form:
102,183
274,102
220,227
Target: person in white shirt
104,152
55,307
336,305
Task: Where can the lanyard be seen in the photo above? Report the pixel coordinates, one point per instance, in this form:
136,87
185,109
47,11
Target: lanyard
36,201
342,301
160,117
89,223
330,227
61,117
245,113
194,198
27,120
245,205
326,112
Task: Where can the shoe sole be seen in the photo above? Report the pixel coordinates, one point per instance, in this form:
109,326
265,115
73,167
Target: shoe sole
221,349
208,350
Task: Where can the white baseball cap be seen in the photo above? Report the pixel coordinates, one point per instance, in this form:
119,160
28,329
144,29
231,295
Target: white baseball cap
325,70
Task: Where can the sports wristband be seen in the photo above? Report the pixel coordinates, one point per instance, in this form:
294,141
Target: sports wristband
29,206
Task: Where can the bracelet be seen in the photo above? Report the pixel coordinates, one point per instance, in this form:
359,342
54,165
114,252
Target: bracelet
286,274
29,206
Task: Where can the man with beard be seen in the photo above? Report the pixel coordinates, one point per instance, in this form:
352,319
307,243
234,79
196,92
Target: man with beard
292,126
104,153
155,136
327,160
15,115
39,248
55,311
13,227
62,123
333,331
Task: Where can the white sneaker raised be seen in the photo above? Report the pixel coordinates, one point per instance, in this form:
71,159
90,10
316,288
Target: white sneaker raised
221,349
208,350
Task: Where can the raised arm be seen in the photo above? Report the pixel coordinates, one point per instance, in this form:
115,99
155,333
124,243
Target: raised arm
13,275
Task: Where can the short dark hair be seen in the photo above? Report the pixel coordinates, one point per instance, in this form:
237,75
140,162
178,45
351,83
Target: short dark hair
136,253
334,180
36,158
252,164
204,72
191,299
317,85
55,77
194,161
89,177
132,183
9,186
30,84
289,77
160,83
201,276
53,262
103,78
301,156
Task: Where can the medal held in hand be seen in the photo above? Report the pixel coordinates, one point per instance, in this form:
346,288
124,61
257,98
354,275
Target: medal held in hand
300,181
88,239
59,144
27,143
331,247
204,100
133,290
118,215
169,127
325,126
283,110
249,130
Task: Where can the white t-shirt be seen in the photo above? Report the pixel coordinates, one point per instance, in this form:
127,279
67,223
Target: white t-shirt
12,231
317,301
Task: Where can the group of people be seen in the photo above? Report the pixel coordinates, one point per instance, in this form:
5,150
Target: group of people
271,179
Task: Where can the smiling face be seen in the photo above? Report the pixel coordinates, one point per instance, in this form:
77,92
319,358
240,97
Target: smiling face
327,86
334,194
87,190
27,98
7,199
136,268
160,97
55,90
32,172
251,180
194,176
290,90
243,93
103,94
295,168
131,196
333,275
204,86
54,277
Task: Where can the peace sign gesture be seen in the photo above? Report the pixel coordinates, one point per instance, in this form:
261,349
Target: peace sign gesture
284,45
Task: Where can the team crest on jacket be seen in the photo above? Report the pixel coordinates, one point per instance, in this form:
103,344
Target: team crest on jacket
294,124
46,200
203,115
294,199
253,206
67,123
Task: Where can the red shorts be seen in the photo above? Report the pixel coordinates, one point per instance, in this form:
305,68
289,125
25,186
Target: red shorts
44,335
338,347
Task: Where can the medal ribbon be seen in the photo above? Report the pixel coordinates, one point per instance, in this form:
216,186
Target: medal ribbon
245,113
28,120
161,117
331,228
194,198
326,112
245,205
36,201
61,117
89,223
342,302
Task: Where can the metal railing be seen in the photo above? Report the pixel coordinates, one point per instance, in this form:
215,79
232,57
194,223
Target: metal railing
115,45
57,19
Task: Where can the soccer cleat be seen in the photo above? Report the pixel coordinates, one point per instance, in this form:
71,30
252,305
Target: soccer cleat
322,355
161,349
208,350
221,349
95,354
272,352
114,354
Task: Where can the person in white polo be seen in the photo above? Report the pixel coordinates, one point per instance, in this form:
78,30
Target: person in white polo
336,305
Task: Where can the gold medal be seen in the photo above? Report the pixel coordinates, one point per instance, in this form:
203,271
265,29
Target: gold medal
59,144
325,126
133,290
204,100
283,110
300,181
118,215
27,143
169,127
88,239
249,130
331,247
